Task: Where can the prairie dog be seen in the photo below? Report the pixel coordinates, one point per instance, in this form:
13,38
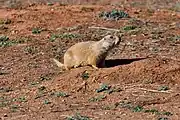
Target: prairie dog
88,53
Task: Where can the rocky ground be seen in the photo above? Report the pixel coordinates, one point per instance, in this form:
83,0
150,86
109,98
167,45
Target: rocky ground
142,77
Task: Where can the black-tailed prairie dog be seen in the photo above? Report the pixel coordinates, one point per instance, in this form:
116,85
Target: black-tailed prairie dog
91,53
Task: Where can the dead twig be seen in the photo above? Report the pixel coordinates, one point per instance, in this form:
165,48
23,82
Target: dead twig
103,28
150,90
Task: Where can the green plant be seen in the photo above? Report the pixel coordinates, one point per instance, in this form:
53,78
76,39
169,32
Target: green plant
69,35
46,102
22,39
36,31
3,27
44,78
4,38
163,88
128,28
41,92
7,89
5,42
3,101
163,118
111,90
3,104
50,4
33,65
5,21
41,88
14,108
77,116
137,108
113,15
167,113
125,104
174,38
39,95
34,83
85,75
22,99
53,37
30,50
60,94
153,111
134,108
103,87
98,98
3,73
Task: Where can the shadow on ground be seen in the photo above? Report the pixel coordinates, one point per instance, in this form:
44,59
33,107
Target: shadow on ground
115,62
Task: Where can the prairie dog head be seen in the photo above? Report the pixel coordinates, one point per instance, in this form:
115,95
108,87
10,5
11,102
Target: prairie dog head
110,41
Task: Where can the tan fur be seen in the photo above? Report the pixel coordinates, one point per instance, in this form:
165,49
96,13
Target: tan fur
88,53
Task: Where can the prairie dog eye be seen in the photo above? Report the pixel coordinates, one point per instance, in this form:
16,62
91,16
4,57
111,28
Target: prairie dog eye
111,37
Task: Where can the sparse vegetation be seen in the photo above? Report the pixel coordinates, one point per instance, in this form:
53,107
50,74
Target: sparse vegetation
128,88
5,21
113,15
36,31
3,102
167,113
41,92
31,50
22,99
153,111
5,42
6,89
107,89
108,107
34,83
137,108
98,98
70,36
44,77
174,38
125,104
77,116
60,94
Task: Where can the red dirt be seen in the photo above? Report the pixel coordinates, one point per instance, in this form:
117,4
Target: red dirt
146,60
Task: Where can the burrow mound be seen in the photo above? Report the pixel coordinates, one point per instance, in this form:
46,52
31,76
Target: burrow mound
150,70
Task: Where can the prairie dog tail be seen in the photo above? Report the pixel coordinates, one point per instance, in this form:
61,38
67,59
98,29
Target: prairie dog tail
59,64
